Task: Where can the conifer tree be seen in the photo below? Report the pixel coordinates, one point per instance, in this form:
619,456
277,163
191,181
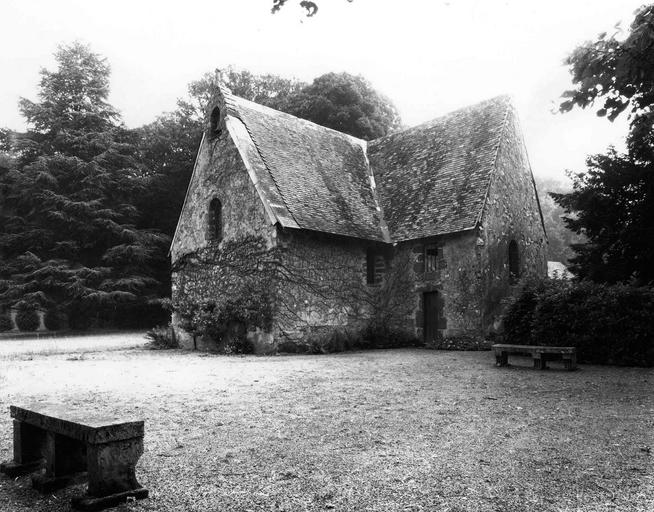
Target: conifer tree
68,225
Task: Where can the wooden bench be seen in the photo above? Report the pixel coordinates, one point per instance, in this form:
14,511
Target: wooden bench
74,449
540,355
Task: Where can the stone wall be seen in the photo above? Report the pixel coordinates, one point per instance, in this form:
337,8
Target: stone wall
206,269
320,281
455,278
511,213
322,284
472,270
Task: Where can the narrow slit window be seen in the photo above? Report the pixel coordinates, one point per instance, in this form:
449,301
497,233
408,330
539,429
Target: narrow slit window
370,266
514,261
215,221
431,256
215,122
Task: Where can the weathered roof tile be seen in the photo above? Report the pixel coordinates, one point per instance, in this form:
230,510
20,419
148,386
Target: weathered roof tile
431,179
321,174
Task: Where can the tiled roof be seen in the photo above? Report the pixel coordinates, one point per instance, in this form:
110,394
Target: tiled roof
431,179
321,175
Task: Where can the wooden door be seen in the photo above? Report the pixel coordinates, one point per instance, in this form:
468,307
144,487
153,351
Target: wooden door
433,312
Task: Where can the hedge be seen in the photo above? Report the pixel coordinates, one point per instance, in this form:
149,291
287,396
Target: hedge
27,320
609,324
54,320
5,322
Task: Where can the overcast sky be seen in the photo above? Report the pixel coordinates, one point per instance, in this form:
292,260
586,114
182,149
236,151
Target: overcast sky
428,56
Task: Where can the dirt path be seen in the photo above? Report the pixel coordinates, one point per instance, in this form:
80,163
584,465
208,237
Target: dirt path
397,430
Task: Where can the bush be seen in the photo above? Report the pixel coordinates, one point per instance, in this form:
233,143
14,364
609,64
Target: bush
82,317
519,316
462,342
5,322
609,324
339,339
226,322
162,337
329,341
239,345
27,320
54,320
382,336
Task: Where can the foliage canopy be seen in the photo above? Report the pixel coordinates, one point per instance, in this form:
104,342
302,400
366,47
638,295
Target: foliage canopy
68,225
612,203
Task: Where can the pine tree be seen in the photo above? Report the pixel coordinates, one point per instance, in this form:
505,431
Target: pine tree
68,226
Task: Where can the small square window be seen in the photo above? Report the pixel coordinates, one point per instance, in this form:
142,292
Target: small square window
431,256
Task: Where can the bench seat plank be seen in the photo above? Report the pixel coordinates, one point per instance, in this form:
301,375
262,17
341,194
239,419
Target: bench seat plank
534,348
540,354
92,430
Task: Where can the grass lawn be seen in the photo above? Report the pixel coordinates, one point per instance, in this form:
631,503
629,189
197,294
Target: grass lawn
395,430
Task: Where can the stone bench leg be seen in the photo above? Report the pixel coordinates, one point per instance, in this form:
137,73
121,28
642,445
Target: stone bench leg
570,362
501,358
112,474
29,448
65,463
540,362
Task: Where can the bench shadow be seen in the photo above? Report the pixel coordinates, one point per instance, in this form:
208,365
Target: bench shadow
19,492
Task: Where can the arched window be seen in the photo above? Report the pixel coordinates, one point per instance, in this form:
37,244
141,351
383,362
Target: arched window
215,224
514,261
215,122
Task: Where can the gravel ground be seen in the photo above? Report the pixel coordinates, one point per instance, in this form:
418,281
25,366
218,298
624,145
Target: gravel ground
49,345
396,430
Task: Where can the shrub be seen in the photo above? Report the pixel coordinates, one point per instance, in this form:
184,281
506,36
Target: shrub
226,322
384,336
54,320
609,324
339,339
27,320
239,345
462,342
162,337
328,341
519,316
82,317
5,322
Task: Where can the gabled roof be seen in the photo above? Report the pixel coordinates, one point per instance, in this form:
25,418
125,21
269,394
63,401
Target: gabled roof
319,176
427,180
433,178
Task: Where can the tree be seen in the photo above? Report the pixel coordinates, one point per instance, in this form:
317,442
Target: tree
560,238
612,203
168,146
616,74
68,227
311,7
346,103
